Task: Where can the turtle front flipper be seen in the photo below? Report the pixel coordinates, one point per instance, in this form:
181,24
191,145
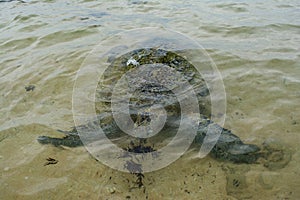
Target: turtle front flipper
229,146
68,140
72,139
236,152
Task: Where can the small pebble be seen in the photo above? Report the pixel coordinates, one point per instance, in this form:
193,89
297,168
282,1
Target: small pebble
29,88
111,190
132,61
6,168
268,179
84,18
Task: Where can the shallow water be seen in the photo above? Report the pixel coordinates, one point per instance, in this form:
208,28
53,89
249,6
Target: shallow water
43,43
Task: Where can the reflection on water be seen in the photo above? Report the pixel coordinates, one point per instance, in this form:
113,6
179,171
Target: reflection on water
43,43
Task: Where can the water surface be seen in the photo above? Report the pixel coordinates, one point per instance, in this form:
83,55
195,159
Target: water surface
43,43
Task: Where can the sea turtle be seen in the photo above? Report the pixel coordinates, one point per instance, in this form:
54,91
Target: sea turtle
158,76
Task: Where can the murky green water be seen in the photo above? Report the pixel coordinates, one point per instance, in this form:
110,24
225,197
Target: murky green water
43,43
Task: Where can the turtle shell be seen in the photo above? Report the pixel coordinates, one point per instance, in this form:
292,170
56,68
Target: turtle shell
152,76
